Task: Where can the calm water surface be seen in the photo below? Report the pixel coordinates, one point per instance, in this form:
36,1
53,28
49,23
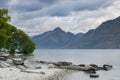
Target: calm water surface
83,56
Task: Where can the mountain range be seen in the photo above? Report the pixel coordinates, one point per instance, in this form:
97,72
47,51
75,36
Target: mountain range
55,39
105,36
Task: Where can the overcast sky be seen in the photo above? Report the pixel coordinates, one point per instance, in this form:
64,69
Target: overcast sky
37,16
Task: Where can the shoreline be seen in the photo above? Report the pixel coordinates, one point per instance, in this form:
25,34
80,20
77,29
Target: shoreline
23,69
31,70
34,74
36,70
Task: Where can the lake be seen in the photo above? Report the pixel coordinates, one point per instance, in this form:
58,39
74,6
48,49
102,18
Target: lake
83,56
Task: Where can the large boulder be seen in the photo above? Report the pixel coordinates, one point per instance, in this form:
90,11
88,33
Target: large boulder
4,56
81,65
94,65
90,71
18,61
107,67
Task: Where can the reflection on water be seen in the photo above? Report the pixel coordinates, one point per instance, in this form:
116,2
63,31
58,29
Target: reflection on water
83,56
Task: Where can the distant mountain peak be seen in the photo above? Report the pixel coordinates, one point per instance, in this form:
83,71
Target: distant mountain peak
57,38
58,29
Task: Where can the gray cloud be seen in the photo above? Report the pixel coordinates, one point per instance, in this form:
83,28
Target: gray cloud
53,7
38,16
31,5
28,9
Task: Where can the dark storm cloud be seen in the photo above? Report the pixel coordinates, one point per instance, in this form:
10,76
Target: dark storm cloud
58,7
31,5
28,9
35,8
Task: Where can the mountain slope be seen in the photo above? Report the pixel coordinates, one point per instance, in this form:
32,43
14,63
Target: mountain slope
79,35
106,36
53,39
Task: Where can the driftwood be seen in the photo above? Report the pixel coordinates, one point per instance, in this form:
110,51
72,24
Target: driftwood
4,64
29,71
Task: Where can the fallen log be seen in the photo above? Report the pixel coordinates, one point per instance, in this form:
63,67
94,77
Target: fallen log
29,71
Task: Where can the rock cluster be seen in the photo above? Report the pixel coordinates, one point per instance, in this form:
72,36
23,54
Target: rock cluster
89,69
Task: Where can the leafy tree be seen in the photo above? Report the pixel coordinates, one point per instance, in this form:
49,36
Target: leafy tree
19,40
12,38
4,15
3,40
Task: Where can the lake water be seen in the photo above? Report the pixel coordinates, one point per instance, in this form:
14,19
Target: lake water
83,56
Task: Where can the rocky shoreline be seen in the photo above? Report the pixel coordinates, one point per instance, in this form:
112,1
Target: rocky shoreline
22,69
18,68
89,69
19,72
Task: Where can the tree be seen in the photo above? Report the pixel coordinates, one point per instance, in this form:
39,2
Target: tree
20,41
4,15
3,40
12,38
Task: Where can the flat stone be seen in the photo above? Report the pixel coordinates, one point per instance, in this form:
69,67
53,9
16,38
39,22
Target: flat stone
94,75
